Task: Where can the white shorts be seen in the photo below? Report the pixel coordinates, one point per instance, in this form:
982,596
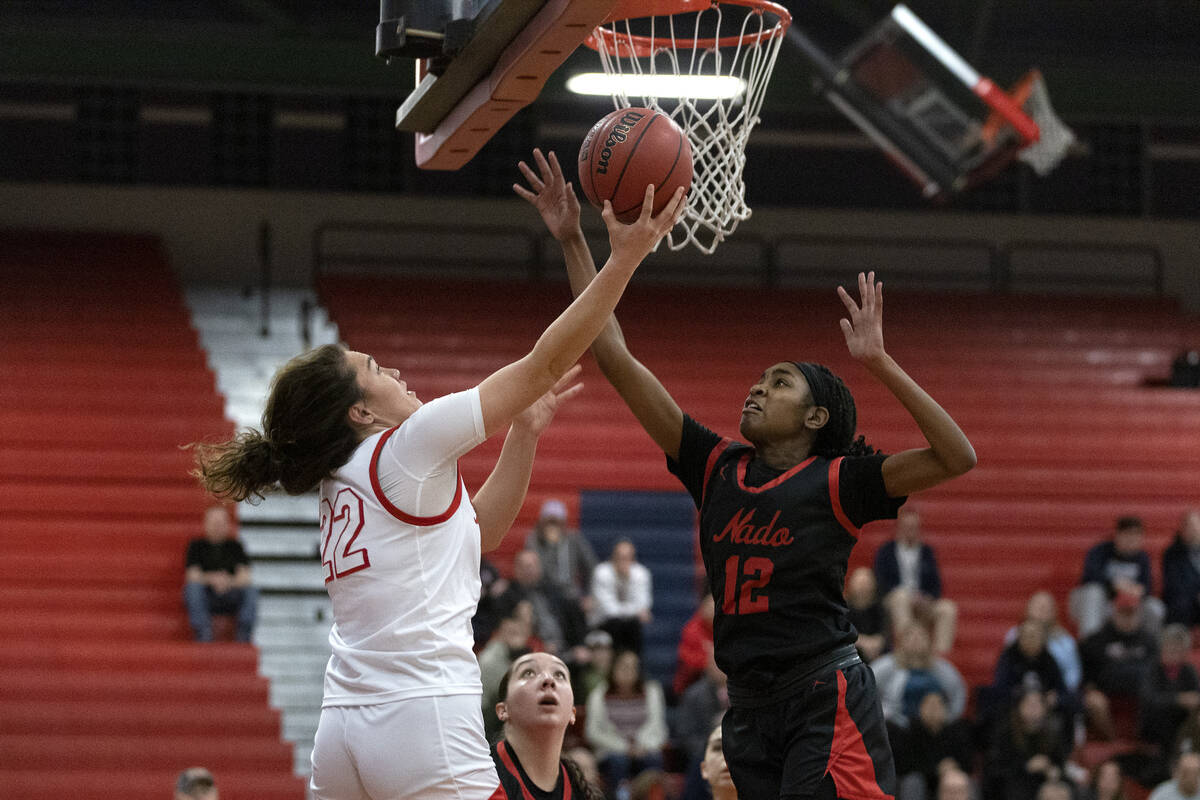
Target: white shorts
426,747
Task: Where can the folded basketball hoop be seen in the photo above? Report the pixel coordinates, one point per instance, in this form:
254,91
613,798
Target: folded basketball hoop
729,39
945,125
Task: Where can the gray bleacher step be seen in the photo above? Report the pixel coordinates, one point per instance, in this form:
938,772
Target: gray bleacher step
287,694
300,725
294,665
307,637
289,576
303,758
280,541
281,508
236,340
294,609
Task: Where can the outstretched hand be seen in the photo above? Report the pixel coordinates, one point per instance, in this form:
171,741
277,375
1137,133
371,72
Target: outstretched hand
550,194
536,418
634,242
864,328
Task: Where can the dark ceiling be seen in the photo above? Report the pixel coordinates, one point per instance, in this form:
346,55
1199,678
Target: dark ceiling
1103,59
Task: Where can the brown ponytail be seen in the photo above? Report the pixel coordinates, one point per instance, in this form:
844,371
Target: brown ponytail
306,433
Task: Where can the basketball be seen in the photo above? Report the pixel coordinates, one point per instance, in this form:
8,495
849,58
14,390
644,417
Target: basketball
626,151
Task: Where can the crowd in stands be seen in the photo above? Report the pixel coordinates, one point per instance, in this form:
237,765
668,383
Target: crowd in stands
1123,678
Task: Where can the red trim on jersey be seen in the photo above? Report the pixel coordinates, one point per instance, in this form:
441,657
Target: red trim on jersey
387,504
849,762
771,484
719,448
835,497
510,765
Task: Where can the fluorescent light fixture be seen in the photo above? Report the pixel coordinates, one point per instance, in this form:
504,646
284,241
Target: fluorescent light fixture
702,87
934,44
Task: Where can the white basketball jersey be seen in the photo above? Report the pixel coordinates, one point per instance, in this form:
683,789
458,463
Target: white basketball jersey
400,547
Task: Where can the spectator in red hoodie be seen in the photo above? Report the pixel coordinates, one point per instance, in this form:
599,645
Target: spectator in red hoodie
695,646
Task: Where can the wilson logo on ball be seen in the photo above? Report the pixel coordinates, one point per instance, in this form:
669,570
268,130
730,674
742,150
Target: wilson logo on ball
616,136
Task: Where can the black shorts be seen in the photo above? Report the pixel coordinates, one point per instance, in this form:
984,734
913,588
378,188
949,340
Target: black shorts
826,741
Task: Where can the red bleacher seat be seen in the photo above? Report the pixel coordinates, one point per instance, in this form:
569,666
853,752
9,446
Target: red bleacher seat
103,381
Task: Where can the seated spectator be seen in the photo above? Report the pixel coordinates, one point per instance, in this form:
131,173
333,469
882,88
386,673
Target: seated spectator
1055,790
487,615
1118,565
1107,783
1027,663
1185,780
1042,610
196,783
954,784
700,708
557,621
695,646
218,579
1181,572
510,641
929,746
626,723
911,671
1116,662
622,595
567,558
1027,750
715,771
867,614
1185,370
1171,691
910,583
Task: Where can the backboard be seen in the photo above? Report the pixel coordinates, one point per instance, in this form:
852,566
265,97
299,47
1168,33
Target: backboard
474,72
945,125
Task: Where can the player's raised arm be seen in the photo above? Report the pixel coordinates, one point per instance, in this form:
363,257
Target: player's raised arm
645,395
511,389
499,500
949,453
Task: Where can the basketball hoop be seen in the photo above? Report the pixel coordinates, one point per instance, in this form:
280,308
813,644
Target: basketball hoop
1055,140
737,39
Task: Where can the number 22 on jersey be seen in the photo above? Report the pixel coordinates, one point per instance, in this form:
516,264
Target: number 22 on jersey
341,522
745,585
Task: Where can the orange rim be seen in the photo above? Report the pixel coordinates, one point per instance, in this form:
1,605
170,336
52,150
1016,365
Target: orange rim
626,45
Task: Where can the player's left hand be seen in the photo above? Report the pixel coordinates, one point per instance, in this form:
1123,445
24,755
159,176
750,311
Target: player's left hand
550,194
864,329
536,418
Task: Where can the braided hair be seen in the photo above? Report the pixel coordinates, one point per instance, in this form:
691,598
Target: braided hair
836,438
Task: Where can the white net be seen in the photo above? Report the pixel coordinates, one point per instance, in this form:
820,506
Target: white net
722,41
1055,138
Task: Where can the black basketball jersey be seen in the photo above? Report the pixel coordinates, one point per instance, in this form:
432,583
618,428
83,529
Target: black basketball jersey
776,545
515,784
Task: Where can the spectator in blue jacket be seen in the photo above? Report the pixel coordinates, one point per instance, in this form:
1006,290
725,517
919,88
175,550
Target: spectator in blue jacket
1120,564
911,585
1181,572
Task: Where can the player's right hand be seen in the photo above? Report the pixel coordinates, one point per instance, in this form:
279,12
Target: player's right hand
631,243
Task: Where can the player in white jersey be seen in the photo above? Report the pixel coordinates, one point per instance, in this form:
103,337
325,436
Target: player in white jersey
401,539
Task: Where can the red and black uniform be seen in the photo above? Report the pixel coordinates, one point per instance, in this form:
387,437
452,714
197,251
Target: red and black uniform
805,719
515,784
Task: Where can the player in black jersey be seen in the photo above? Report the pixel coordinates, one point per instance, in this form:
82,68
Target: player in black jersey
536,706
778,519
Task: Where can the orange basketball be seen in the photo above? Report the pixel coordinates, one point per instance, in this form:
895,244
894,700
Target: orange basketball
628,150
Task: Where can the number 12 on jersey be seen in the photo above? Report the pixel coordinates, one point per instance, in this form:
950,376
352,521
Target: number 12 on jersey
745,585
